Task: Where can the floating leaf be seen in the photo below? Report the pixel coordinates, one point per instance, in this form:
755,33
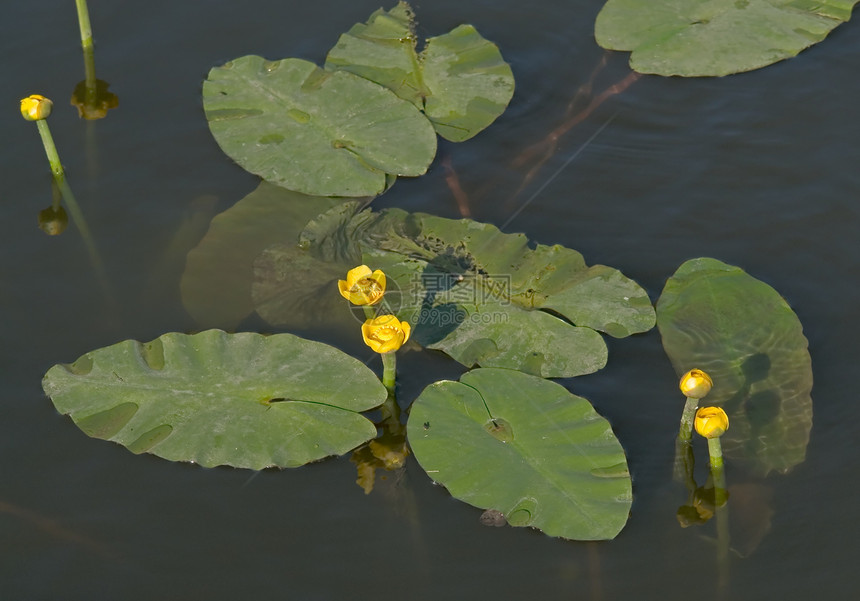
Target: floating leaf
716,317
526,447
326,133
459,80
718,37
219,271
484,297
244,400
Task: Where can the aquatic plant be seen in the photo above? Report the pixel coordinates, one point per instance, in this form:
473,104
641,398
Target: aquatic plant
503,438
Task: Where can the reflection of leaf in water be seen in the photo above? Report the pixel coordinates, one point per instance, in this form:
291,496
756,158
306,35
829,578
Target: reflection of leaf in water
479,295
219,271
751,508
716,317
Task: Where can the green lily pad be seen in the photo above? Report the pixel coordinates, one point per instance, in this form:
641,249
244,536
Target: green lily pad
459,80
324,133
717,37
481,296
216,285
716,317
526,447
244,400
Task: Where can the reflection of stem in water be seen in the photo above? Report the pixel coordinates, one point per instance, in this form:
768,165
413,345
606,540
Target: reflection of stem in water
684,460
594,571
718,478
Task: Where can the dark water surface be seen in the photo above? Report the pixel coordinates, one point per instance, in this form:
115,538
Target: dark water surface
759,170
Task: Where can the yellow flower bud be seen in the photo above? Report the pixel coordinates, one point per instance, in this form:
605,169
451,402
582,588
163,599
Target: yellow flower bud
385,333
696,384
711,422
362,287
35,107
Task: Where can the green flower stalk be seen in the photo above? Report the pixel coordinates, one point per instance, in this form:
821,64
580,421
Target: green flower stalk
84,23
712,422
38,108
695,384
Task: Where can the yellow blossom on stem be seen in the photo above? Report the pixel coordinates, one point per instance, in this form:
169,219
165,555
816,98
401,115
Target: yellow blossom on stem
35,107
696,384
711,422
385,333
362,286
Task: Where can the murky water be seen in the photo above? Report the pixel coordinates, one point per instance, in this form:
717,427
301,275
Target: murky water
758,170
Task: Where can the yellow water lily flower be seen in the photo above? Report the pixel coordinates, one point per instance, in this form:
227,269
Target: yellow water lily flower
696,384
35,107
362,286
711,422
385,333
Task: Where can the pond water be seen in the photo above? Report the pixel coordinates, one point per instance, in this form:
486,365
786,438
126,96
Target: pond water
758,170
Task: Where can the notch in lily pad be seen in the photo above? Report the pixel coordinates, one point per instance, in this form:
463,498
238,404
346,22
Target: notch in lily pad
297,126
458,79
550,463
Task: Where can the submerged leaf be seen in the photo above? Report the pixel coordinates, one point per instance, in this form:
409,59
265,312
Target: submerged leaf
244,400
716,317
484,297
460,79
326,133
217,282
526,447
719,37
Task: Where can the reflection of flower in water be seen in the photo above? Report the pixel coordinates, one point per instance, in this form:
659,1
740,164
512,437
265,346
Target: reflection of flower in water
53,220
93,102
388,452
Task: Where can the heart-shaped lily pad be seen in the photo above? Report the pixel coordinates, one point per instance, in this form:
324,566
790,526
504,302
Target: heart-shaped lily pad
459,80
244,400
326,133
526,447
716,317
717,37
